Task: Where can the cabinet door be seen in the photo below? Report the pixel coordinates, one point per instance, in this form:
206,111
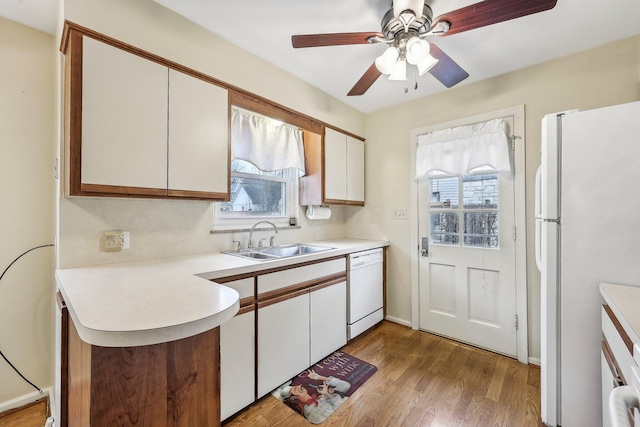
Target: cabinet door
283,341
237,364
355,170
328,312
124,121
335,165
198,138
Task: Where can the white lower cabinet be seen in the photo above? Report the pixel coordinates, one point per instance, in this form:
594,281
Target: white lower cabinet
237,364
283,341
328,320
300,317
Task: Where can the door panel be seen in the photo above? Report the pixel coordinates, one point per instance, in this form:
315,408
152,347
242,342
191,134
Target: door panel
467,281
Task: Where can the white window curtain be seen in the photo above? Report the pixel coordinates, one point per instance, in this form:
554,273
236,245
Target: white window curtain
464,150
266,144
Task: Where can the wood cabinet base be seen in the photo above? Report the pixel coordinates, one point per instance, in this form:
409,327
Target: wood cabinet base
169,384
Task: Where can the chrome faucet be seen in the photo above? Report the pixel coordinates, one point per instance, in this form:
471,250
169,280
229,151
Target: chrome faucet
250,245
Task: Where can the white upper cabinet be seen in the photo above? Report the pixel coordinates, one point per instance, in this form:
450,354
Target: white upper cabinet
335,169
124,118
198,135
355,169
135,126
343,168
335,165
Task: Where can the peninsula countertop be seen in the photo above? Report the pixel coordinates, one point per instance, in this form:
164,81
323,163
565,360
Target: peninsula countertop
624,301
161,300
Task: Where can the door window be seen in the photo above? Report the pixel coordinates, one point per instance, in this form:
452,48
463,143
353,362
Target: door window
475,222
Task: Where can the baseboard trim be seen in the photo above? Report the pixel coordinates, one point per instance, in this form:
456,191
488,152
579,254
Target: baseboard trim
21,401
397,320
535,361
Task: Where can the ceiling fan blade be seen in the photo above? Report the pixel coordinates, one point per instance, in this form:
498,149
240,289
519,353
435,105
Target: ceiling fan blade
335,39
490,12
447,71
365,82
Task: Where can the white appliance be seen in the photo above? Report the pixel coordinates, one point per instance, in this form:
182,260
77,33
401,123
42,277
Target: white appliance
365,291
587,232
624,400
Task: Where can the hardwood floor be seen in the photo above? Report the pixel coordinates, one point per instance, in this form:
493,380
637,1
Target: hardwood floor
31,415
422,380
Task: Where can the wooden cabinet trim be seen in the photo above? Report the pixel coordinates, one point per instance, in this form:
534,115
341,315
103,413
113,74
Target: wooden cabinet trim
103,190
623,334
246,308
338,277
327,284
185,194
73,113
342,202
281,298
613,365
245,302
271,109
223,280
64,360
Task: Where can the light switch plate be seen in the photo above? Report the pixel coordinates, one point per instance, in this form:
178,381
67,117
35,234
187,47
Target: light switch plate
399,214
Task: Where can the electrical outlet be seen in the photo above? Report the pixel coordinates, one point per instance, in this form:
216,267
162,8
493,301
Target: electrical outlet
399,214
116,240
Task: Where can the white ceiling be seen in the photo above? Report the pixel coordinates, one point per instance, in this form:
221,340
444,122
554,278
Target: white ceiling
264,28
39,14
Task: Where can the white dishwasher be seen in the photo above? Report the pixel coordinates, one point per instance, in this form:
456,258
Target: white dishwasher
365,293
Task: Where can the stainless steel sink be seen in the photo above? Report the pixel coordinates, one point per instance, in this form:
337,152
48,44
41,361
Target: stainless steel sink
278,252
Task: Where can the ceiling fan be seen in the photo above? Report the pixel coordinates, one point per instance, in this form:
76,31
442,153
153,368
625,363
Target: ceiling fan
406,26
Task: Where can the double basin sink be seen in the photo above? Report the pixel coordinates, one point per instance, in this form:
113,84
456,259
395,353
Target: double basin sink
278,252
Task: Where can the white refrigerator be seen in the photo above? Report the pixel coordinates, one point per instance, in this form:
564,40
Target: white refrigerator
587,232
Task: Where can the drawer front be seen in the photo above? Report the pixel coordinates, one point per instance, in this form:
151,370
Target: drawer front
621,354
286,278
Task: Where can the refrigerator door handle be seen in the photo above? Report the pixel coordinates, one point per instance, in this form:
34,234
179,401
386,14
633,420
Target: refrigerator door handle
538,216
538,238
538,193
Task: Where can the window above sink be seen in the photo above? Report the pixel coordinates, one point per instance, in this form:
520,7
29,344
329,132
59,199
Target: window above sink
268,159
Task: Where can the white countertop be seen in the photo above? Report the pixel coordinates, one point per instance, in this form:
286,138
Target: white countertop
154,301
624,301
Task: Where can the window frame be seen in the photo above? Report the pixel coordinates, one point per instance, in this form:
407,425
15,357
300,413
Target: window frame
291,181
460,211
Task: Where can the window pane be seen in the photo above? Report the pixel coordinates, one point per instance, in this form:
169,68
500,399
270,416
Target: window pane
480,191
444,192
256,197
444,228
238,165
481,229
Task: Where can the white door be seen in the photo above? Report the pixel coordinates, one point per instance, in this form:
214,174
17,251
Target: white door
467,281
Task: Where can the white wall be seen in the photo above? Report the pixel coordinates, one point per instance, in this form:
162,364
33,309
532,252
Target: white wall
27,138
599,77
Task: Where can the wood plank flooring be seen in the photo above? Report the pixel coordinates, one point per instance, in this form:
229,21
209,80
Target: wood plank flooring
422,380
31,415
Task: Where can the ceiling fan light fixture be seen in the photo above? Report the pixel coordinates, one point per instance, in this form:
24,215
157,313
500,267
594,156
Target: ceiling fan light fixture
426,65
416,6
399,70
386,62
417,50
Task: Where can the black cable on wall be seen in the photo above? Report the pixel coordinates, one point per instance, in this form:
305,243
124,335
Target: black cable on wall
1,353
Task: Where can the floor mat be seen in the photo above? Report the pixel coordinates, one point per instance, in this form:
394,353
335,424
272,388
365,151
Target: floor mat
318,391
